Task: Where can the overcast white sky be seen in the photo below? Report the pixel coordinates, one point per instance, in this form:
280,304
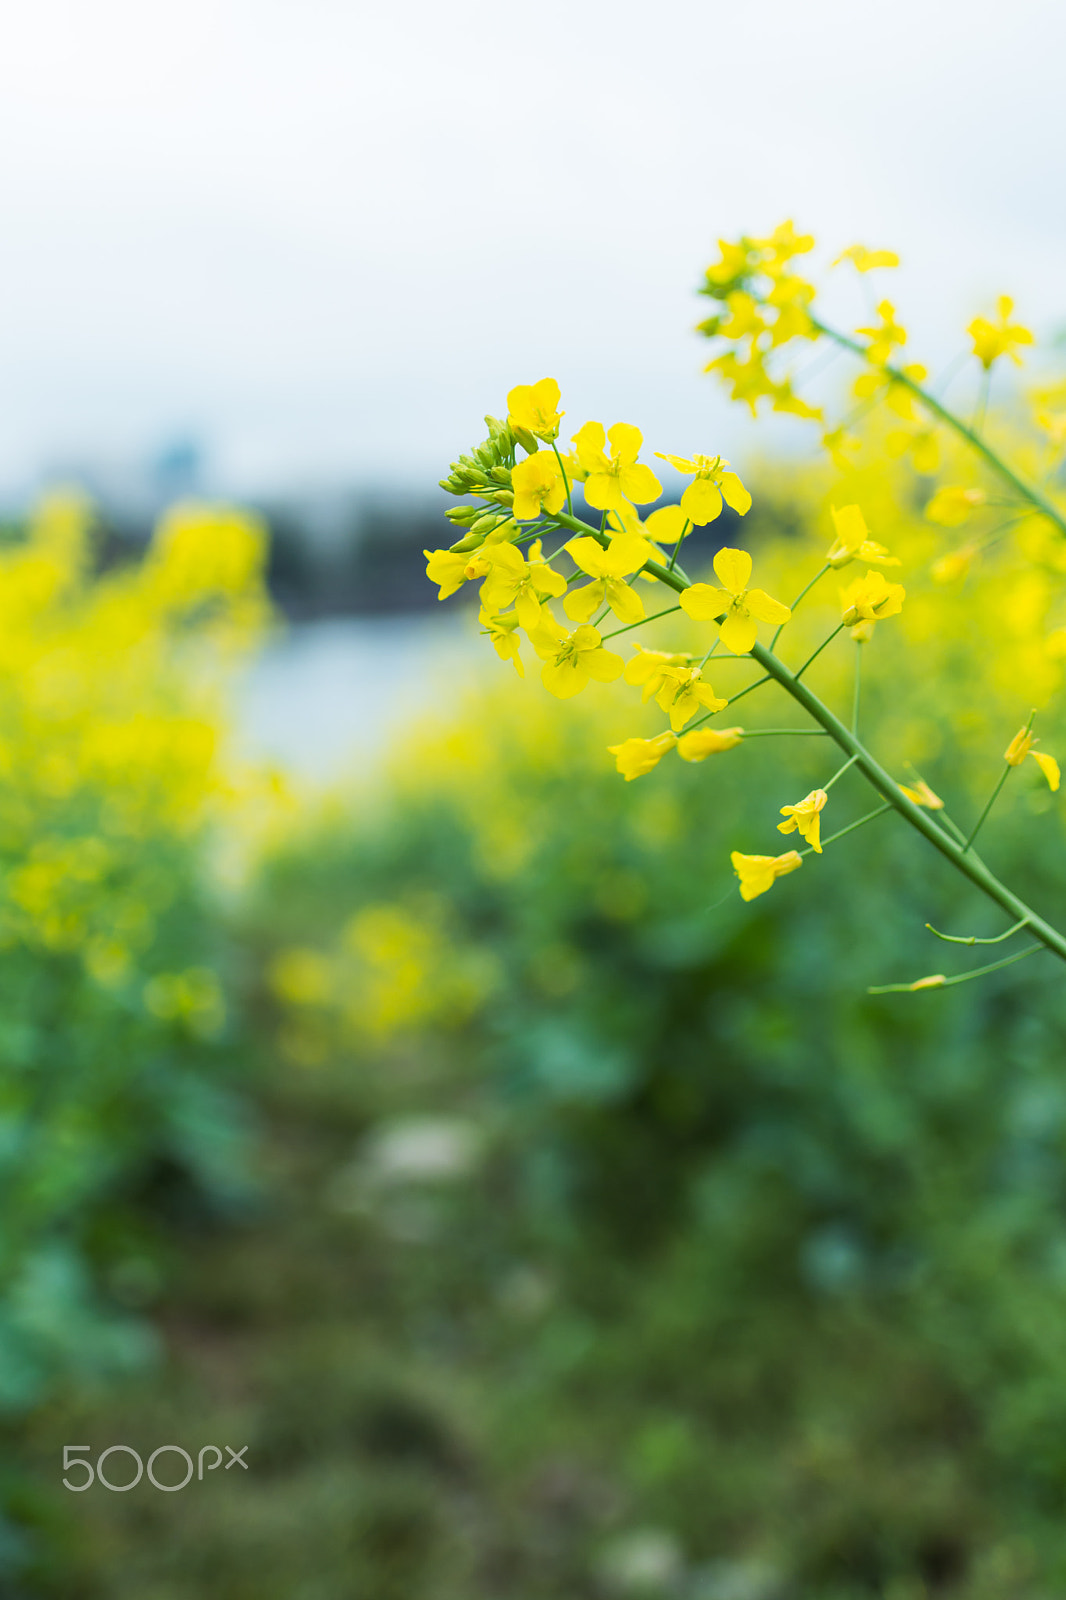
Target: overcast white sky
327,236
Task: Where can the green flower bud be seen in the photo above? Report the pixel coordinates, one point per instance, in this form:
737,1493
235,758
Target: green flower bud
527,441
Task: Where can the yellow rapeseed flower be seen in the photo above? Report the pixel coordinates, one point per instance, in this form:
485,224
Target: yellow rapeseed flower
744,608
920,794
885,336
871,598
526,586
451,569
535,407
864,260
853,542
612,480
608,568
702,500
994,339
538,486
806,815
1021,746
952,505
503,631
704,742
759,873
635,757
574,658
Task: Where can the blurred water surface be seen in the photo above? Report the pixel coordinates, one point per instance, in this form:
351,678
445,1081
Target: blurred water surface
326,697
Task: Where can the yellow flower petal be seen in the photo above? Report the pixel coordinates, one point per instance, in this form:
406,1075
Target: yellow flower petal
739,632
704,742
733,569
703,602
702,502
1048,766
765,607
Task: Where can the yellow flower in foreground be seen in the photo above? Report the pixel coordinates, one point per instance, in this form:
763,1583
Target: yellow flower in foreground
806,815
503,631
759,873
526,586
702,500
451,569
704,742
676,684
535,407
853,542
920,794
744,608
635,757
612,480
871,598
951,505
608,568
884,337
1021,746
994,339
538,485
575,658
865,260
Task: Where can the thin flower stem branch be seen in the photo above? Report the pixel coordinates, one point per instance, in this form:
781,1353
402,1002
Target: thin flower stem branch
859,823
817,653
566,480
839,773
799,733
968,863
802,594
630,625
955,938
1026,490
672,563
960,977
993,797
746,690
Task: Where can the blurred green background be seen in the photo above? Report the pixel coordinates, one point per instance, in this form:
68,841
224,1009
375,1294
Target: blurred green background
544,1220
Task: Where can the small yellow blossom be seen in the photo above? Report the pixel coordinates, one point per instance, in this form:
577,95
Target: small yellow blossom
864,260
612,480
840,445
921,444
920,794
885,336
704,742
744,608
733,263
853,542
955,564
759,873
573,659
1021,746
635,757
952,505
535,407
538,486
527,586
678,686
871,598
994,339
451,569
806,815
702,500
503,631
608,568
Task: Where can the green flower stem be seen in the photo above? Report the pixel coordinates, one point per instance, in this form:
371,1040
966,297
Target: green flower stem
960,977
742,692
993,797
967,863
672,563
629,625
799,733
817,653
566,480
859,823
858,688
802,594
955,938
839,773
1026,490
